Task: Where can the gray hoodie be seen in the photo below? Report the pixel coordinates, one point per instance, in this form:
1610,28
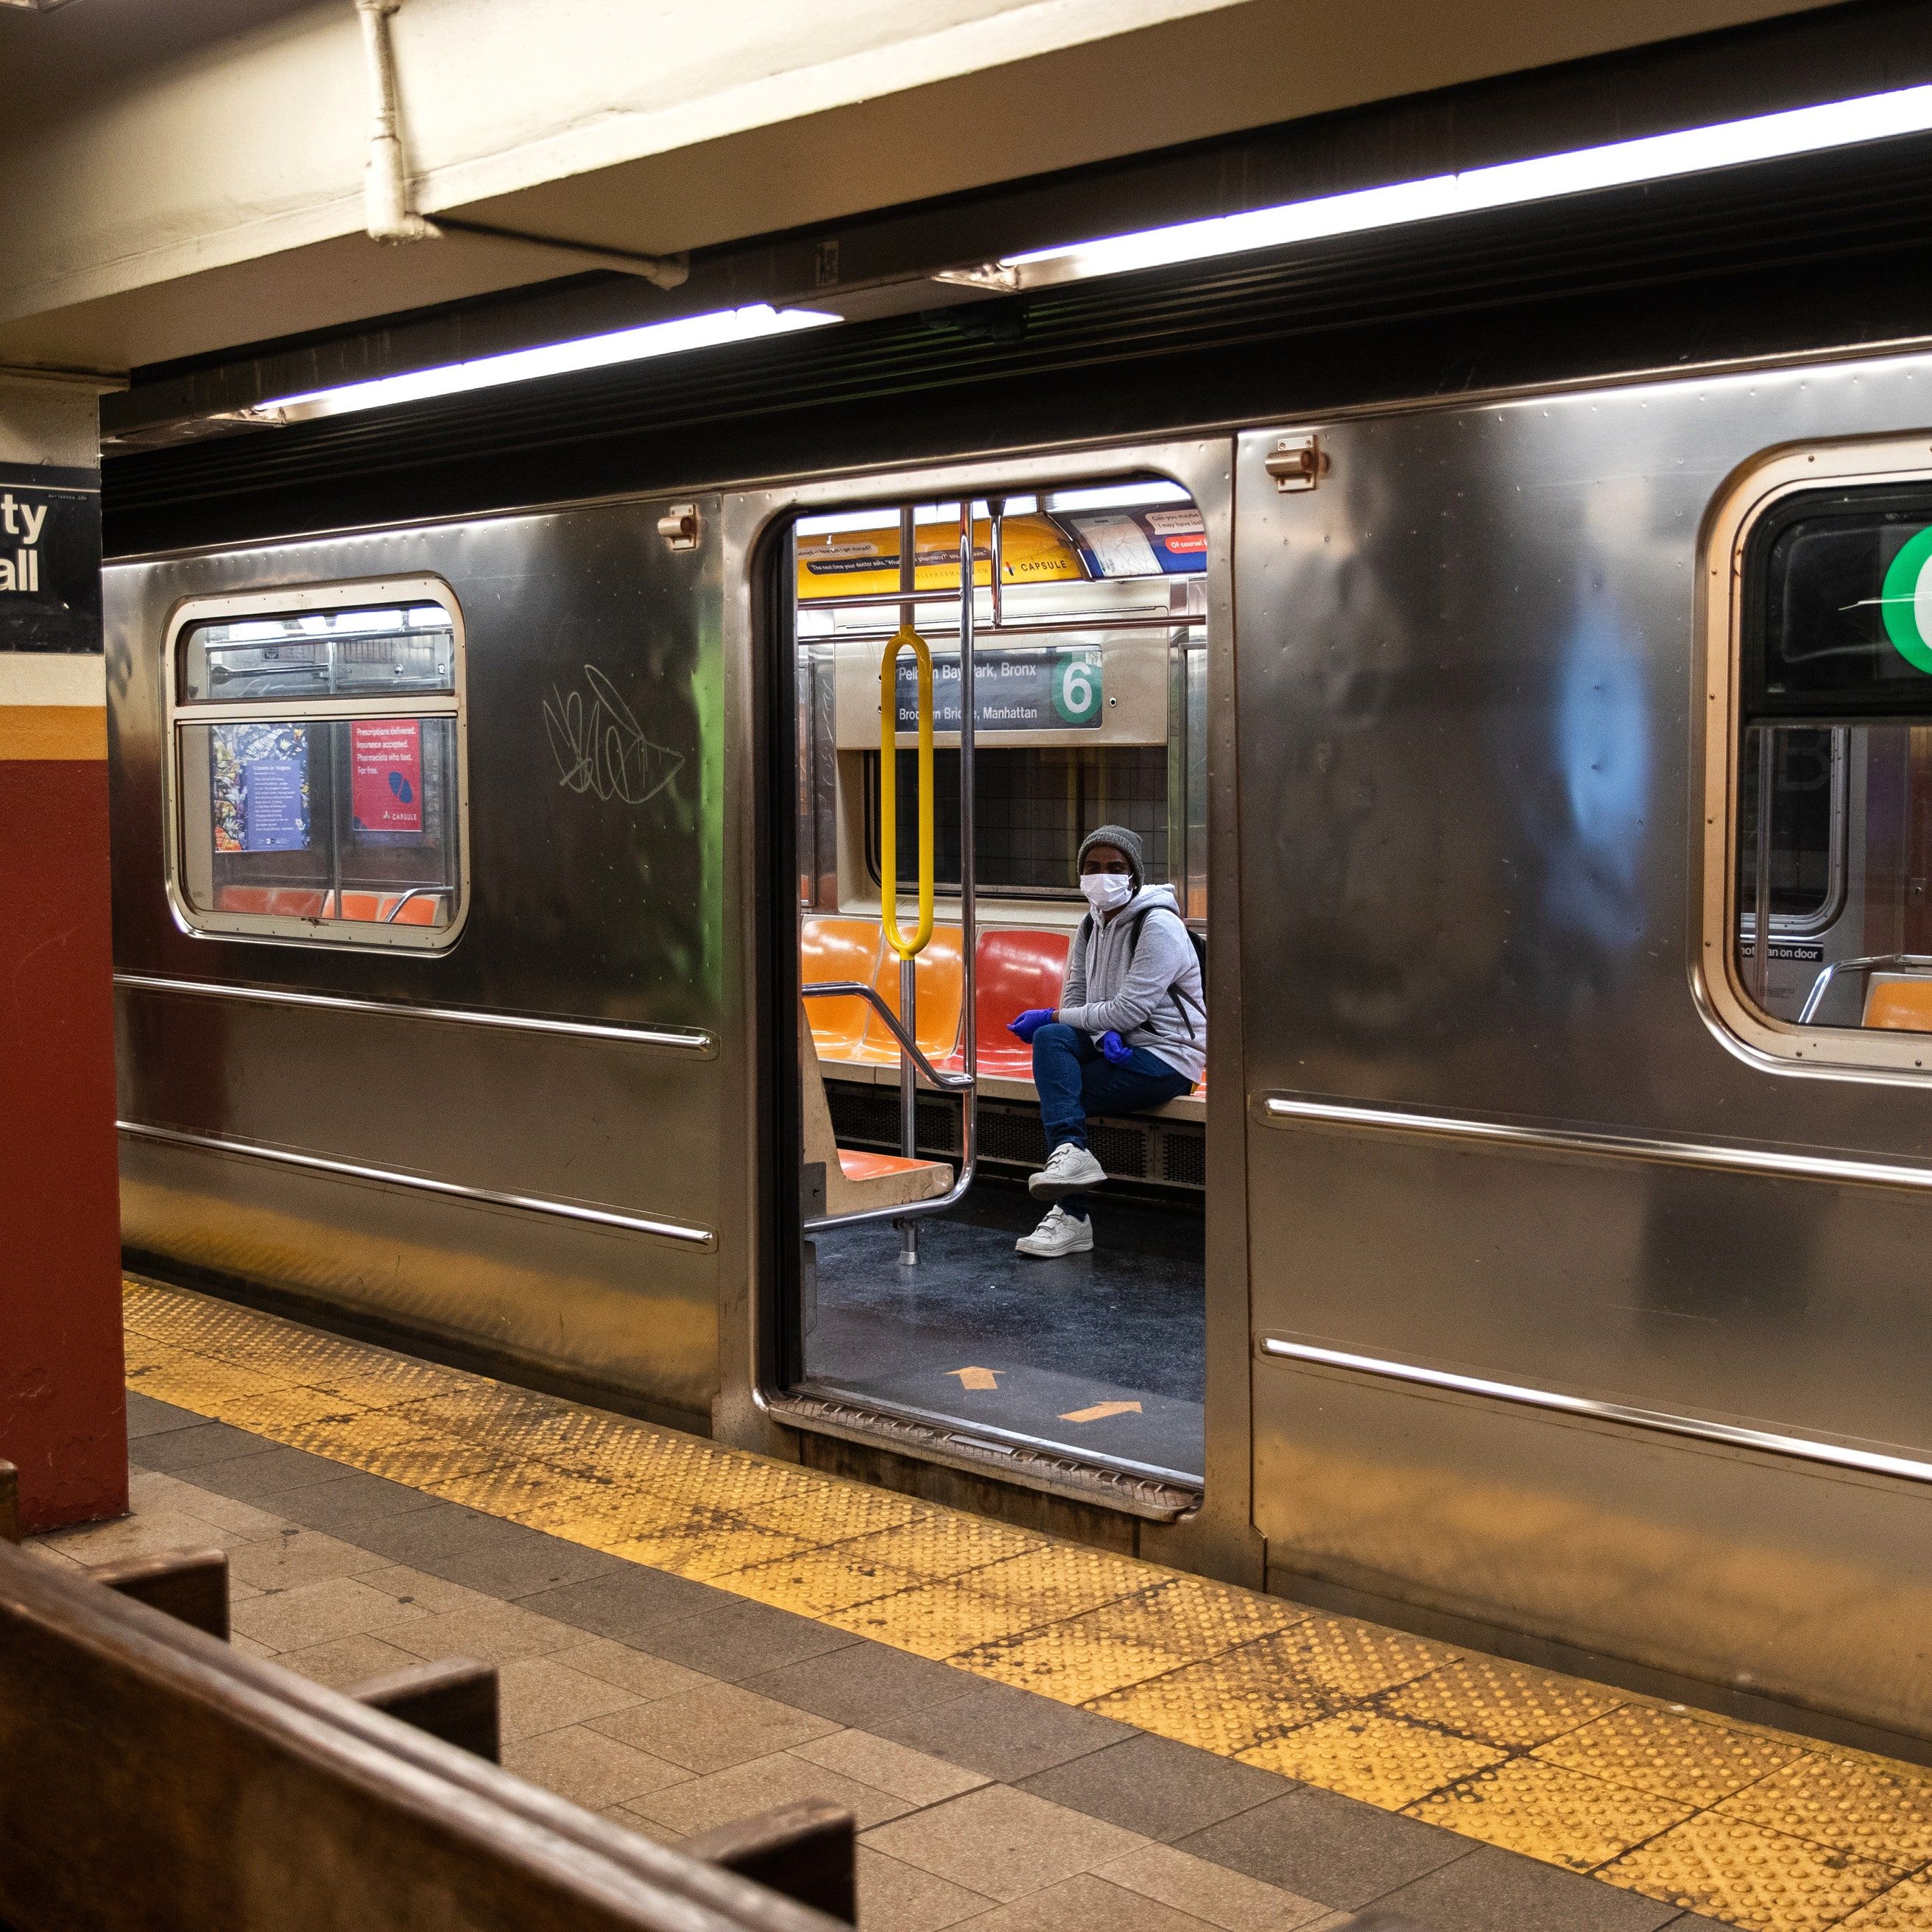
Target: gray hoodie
1101,994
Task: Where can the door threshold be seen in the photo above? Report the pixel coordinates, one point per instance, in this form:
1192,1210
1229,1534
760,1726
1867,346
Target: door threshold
1153,1496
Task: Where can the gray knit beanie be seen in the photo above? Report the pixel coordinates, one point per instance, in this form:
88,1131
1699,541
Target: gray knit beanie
1128,844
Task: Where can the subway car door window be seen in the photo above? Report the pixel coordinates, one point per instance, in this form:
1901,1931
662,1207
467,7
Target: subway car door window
1832,812
317,767
1002,903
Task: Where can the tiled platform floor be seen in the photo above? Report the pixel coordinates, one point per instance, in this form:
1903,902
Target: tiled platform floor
685,1628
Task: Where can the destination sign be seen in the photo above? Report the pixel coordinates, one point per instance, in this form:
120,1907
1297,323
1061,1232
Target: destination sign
1057,690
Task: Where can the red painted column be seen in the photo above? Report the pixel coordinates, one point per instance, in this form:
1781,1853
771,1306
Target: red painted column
62,1409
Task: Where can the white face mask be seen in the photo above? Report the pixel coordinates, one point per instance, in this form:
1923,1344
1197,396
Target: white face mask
1107,891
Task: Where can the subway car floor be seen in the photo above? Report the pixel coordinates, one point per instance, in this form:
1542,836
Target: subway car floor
1035,1736
1101,1352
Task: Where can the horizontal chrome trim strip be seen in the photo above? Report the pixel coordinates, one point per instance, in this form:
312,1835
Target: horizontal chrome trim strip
1869,1462
565,1211
1278,1107
691,1042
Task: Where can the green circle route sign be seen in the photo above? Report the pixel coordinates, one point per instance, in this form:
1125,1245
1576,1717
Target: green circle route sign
1906,602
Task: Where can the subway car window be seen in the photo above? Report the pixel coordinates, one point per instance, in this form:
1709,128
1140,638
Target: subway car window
1833,811
365,653
1032,807
309,807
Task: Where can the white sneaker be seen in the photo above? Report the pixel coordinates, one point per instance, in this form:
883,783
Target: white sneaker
1068,1170
1059,1233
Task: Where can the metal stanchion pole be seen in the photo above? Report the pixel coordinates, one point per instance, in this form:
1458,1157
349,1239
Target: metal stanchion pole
908,971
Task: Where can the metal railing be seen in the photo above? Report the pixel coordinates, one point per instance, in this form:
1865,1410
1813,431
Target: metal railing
913,1061
1918,963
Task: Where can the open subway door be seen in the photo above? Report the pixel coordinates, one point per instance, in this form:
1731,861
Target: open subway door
978,684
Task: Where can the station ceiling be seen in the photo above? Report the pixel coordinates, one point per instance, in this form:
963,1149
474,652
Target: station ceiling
185,179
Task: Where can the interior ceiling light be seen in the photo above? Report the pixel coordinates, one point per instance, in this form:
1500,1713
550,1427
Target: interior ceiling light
1800,130
521,365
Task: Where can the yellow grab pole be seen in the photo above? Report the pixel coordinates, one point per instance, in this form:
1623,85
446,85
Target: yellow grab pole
888,802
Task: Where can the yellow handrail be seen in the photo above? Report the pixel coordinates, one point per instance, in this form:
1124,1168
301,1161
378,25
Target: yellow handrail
888,802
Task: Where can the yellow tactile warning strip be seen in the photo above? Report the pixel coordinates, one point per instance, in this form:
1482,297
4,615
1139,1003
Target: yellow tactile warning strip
1750,1826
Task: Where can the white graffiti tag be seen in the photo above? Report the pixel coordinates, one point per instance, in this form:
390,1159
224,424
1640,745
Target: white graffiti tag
600,748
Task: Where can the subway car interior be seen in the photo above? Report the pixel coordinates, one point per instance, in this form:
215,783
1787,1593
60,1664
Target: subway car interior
937,896
1835,834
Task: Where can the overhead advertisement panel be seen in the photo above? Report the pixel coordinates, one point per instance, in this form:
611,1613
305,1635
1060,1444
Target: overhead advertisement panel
839,563
1160,541
1063,547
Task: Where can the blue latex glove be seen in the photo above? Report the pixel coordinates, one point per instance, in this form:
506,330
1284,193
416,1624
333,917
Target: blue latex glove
1115,1051
1029,1022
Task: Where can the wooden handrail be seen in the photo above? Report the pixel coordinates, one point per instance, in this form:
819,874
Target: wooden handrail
455,1699
804,1850
148,1761
191,1585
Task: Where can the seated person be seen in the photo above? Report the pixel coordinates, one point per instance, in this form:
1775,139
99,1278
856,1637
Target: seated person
1130,1033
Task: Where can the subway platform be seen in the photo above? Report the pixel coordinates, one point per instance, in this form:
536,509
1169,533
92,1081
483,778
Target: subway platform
1030,1734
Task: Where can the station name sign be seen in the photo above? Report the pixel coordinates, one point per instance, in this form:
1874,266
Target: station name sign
50,559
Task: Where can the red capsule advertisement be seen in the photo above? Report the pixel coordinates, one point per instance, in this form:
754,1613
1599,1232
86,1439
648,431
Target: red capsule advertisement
386,774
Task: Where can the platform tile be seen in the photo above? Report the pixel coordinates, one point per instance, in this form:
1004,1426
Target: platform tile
1673,1754
1224,1704
1385,1761
816,1582
1504,1703
1906,1907
1762,1880
1866,1807
1561,1816
1079,1658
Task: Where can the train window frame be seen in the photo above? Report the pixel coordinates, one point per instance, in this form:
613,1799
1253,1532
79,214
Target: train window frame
181,714
1820,918
1759,488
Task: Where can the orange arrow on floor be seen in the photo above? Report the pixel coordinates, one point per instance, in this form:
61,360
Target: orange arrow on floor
980,1379
1101,1411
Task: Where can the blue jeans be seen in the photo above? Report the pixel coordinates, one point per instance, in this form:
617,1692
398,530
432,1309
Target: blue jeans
1075,1079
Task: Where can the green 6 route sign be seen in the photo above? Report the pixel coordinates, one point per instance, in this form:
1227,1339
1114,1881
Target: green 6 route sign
1076,686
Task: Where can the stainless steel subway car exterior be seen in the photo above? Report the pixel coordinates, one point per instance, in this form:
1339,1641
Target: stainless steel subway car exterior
1556,1287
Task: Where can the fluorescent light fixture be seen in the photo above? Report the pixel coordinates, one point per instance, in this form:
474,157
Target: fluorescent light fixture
521,365
1117,496
1799,130
844,522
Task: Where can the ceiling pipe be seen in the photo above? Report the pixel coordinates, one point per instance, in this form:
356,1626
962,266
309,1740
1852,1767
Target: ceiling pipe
385,181
388,198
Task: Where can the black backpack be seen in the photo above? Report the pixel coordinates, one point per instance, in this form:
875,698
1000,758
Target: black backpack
1135,921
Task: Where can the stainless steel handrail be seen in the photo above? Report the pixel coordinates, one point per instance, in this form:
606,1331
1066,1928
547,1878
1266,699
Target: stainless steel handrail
414,891
966,1084
826,989
1876,962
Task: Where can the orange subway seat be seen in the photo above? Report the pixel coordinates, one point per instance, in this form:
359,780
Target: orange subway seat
859,1164
284,901
939,983
1900,1005
838,949
1016,969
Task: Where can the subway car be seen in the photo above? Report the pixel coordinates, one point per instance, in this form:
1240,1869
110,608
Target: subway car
578,852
